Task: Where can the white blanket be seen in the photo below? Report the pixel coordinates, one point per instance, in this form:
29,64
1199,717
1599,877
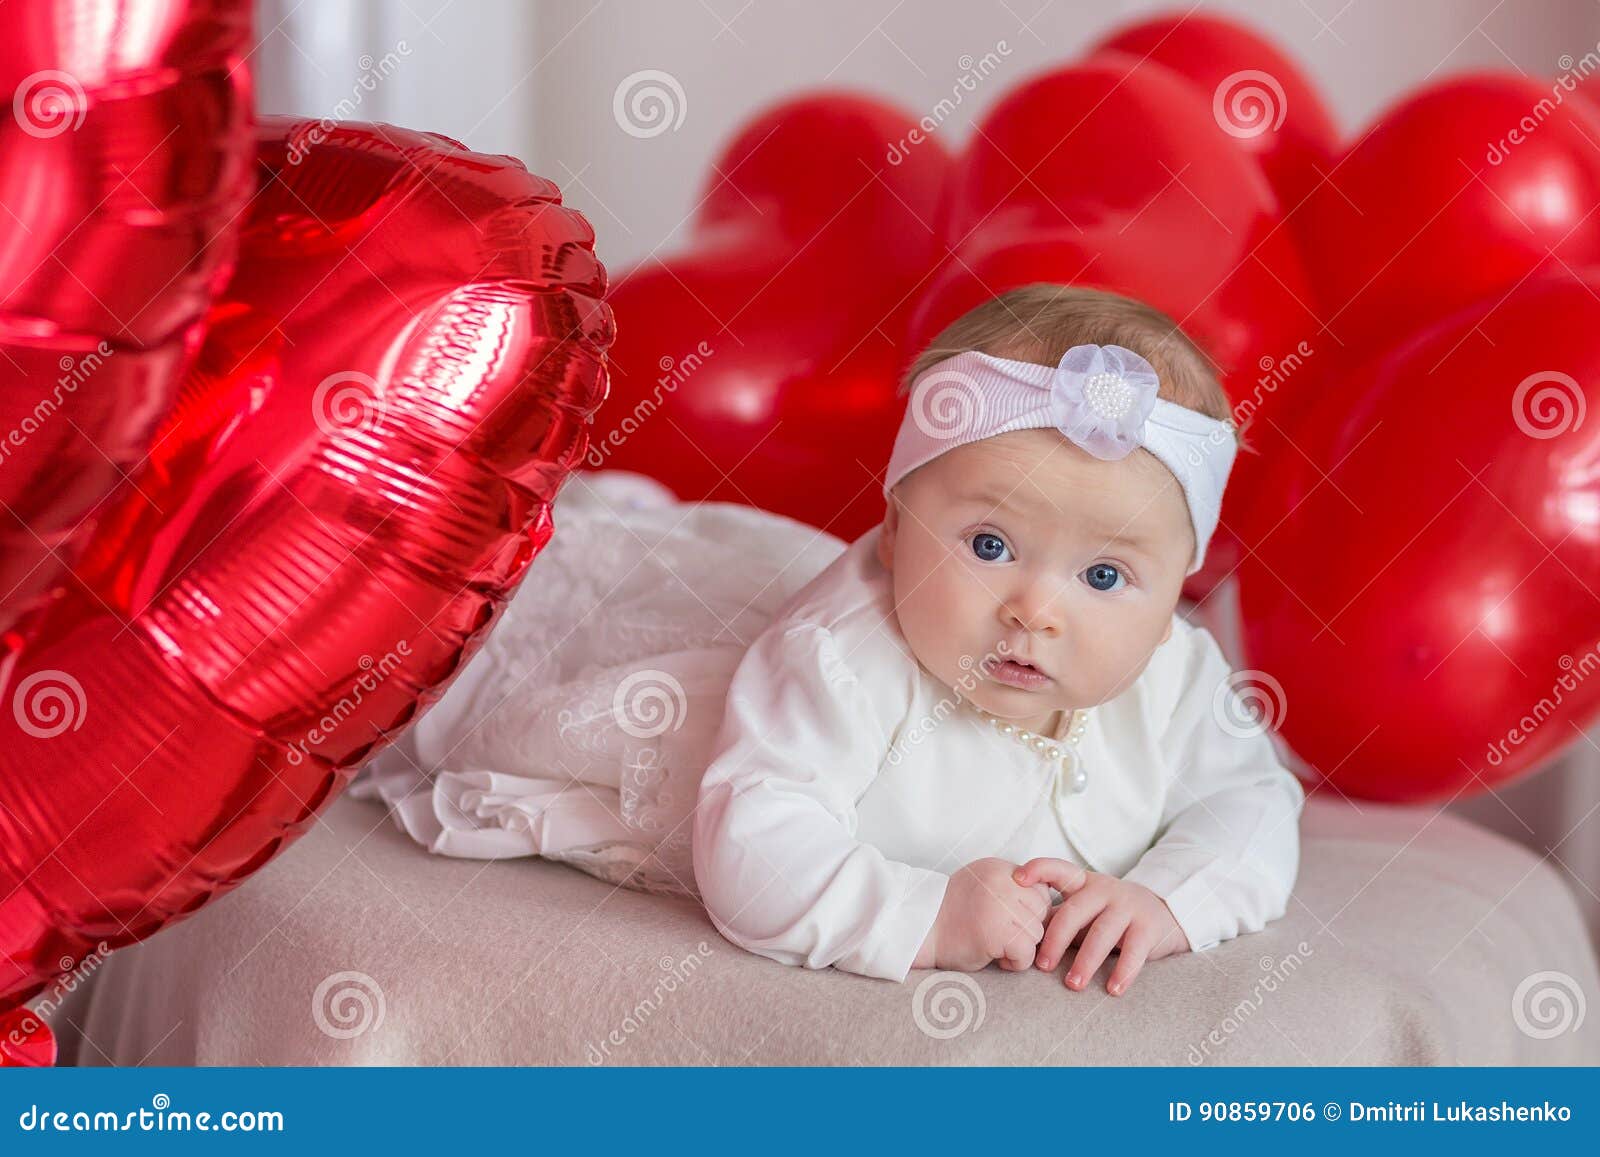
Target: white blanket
1414,937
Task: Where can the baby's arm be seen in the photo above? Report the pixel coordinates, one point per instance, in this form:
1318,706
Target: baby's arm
775,856
1228,849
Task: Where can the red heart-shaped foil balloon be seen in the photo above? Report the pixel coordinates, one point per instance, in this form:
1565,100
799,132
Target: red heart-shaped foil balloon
1259,97
125,159
1463,187
760,365
26,1041
1418,592
358,470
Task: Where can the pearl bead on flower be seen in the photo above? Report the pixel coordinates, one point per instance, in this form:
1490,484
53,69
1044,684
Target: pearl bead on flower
1071,774
1108,394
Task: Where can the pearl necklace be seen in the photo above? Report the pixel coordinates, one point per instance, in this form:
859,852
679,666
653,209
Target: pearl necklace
1071,774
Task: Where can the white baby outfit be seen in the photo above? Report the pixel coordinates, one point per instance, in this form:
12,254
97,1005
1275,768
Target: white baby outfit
663,653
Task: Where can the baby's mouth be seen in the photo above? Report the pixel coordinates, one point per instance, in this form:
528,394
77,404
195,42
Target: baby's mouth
994,663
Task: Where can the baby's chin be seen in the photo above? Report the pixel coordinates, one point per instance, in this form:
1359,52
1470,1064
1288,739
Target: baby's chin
1016,703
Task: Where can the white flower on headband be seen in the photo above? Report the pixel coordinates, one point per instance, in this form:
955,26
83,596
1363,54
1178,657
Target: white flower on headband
1100,397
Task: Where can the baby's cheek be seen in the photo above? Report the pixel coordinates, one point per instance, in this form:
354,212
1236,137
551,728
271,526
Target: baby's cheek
945,593
1112,671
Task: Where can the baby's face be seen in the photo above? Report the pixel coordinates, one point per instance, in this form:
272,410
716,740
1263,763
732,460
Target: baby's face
1025,541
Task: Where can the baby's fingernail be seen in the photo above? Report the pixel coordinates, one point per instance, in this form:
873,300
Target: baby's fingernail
1074,979
1044,962
1116,987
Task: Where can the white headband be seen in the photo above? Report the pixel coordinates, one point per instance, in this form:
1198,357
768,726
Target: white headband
1101,397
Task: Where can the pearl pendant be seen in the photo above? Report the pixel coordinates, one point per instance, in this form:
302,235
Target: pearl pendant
1071,775
1074,777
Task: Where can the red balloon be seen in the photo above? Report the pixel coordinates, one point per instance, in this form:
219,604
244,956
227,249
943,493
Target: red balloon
1142,197
1422,583
760,365
832,170
357,472
1257,93
1464,188
124,160
26,1041
1143,184
1276,427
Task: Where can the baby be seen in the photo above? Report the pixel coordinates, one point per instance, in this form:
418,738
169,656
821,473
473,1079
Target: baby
990,697
893,753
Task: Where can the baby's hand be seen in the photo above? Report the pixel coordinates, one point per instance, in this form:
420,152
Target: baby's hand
986,915
1113,911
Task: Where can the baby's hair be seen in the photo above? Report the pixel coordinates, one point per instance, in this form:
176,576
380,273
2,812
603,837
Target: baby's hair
1040,322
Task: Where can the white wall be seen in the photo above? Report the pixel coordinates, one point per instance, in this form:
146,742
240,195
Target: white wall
536,78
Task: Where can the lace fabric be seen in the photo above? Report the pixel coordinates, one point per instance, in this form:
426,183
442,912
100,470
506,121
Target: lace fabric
580,729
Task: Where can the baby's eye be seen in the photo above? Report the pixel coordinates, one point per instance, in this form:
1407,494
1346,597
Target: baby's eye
989,547
1102,576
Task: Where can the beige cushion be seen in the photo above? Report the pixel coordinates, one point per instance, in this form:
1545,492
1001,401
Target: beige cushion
1406,942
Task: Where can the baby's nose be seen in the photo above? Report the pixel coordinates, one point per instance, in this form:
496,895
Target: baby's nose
1039,617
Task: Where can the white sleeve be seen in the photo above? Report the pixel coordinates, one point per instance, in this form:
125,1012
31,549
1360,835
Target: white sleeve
1228,849
775,855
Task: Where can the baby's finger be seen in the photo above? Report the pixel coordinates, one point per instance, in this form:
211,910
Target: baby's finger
1063,876
1135,951
1034,901
1097,944
1020,948
1039,898
1070,915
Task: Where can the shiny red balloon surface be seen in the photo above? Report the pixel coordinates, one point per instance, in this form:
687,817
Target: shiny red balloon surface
1423,588
1259,96
1464,187
759,365
125,158
357,471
